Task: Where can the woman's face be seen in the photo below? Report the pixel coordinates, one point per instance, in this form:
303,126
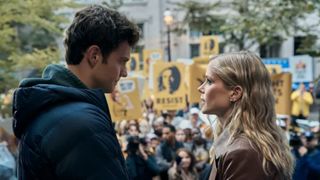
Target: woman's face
133,131
180,136
144,127
215,97
166,79
154,143
185,159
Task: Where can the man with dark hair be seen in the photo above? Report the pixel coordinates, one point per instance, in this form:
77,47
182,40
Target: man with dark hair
62,119
165,153
307,163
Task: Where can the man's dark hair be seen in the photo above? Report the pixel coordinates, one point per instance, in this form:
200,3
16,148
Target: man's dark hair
101,26
133,144
169,126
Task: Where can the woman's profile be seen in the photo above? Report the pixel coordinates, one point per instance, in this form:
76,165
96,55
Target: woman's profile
247,142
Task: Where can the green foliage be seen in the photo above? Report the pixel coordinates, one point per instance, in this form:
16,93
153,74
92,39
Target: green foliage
199,17
265,22
28,33
38,59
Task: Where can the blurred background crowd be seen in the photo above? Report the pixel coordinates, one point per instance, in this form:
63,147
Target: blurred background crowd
175,144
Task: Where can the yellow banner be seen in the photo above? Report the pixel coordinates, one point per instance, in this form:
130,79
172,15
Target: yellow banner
196,74
201,59
124,101
209,45
133,65
150,55
147,92
274,68
281,84
169,88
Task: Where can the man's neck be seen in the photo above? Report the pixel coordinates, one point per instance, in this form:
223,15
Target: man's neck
78,71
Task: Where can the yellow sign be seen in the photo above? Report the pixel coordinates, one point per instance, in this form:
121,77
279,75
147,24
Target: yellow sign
281,84
201,59
124,101
147,92
209,45
197,74
274,68
169,89
148,56
133,64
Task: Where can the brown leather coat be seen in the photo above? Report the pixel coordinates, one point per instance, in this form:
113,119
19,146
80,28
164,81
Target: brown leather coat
239,161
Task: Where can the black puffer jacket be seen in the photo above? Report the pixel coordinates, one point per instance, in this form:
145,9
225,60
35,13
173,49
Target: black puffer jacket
65,130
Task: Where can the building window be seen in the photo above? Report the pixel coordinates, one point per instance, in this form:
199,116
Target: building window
140,25
297,44
194,34
194,50
139,49
305,45
267,51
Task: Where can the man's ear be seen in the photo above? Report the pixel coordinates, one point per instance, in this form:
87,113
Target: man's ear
93,55
236,93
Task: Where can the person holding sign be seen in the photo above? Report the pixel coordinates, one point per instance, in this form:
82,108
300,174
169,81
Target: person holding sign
247,142
301,102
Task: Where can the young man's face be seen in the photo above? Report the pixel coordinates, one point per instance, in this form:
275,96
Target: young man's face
107,74
167,135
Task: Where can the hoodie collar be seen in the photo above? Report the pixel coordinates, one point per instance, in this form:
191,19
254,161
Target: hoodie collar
55,74
58,85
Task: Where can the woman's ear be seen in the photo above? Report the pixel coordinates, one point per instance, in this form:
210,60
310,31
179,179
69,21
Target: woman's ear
236,93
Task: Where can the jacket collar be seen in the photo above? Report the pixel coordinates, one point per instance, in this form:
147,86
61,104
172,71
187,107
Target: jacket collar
220,145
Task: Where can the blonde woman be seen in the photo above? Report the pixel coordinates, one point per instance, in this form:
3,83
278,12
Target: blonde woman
247,142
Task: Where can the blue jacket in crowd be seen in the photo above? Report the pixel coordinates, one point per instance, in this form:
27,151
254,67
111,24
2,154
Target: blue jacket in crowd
308,166
65,130
139,168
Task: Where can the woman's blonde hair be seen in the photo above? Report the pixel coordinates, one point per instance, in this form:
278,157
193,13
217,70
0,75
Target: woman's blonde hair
253,115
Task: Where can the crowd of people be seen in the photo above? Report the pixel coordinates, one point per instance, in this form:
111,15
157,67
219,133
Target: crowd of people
8,155
176,145
156,149
65,130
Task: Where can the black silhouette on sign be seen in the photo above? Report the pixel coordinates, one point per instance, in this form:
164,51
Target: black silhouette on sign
169,79
209,46
133,64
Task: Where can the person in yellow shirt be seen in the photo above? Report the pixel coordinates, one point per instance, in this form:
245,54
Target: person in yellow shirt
301,102
121,103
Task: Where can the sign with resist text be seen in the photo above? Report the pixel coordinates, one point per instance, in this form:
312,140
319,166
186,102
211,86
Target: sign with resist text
169,89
